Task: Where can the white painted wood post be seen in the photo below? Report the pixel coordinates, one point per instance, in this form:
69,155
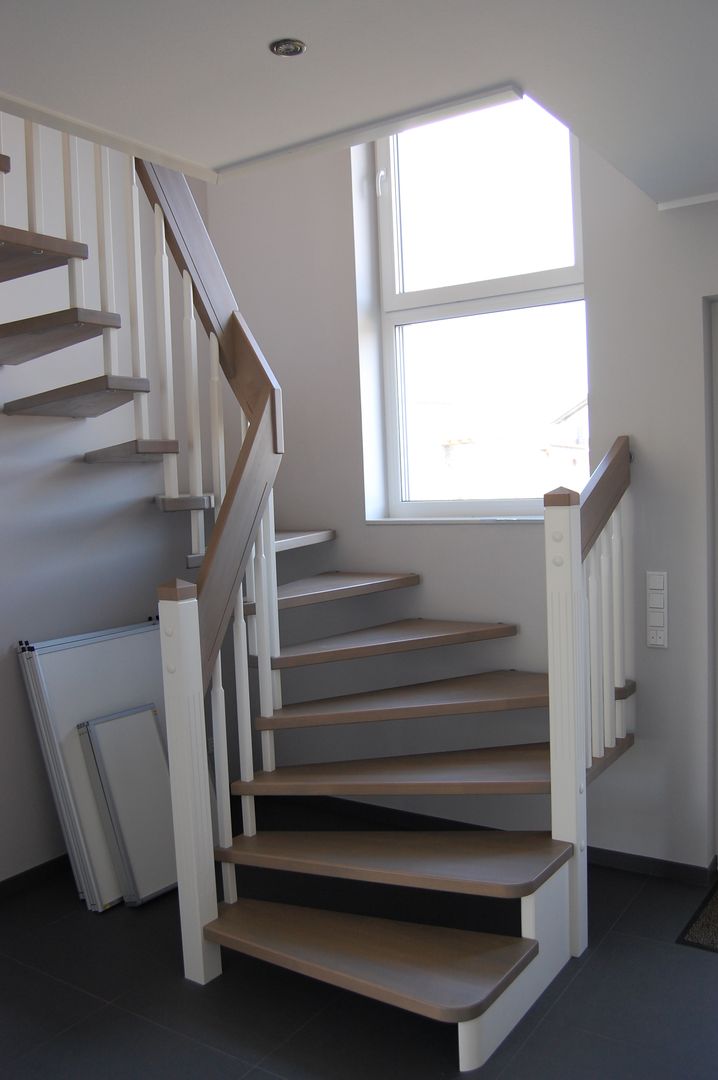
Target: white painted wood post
164,351
34,178
264,648
270,556
73,218
566,610
609,683
194,435
595,636
619,629
106,255
137,300
189,776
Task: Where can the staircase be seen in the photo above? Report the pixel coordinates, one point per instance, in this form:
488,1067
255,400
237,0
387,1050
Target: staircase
482,980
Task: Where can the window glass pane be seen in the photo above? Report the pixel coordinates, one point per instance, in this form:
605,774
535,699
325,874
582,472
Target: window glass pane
495,405
484,195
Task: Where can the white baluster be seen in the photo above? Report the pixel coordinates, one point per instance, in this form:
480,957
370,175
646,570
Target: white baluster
73,218
596,646
244,713
586,661
250,591
137,300
272,602
216,422
609,684
566,609
619,634
3,193
264,649
106,257
164,351
194,436
221,778
189,777
34,178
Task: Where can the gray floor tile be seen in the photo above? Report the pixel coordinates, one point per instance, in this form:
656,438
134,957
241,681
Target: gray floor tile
34,1007
556,1051
105,954
247,1011
116,1046
41,906
661,909
610,893
660,996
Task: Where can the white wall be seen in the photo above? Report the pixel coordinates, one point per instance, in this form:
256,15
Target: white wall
284,233
82,547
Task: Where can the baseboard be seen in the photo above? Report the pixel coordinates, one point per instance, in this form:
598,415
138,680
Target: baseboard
36,875
662,868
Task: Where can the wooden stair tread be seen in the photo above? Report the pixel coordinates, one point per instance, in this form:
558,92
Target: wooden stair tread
611,754
27,339
402,636
481,863
136,451
495,770
176,503
288,539
491,691
435,971
23,252
90,398
335,585
4,163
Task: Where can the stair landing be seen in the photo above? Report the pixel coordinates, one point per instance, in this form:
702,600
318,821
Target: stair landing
438,972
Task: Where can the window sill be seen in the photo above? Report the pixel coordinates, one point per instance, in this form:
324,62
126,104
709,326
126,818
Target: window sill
474,520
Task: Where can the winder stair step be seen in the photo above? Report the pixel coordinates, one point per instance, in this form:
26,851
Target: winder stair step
26,339
23,252
90,398
435,971
137,451
402,636
335,585
480,863
491,691
288,539
495,770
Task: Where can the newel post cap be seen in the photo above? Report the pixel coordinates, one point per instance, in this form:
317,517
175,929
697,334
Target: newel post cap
177,590
561,496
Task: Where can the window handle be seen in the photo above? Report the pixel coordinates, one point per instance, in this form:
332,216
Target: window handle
380,178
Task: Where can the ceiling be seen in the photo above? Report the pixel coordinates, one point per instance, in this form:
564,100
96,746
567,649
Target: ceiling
194,80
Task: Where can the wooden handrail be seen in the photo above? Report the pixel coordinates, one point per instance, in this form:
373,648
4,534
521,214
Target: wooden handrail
602,493
253,384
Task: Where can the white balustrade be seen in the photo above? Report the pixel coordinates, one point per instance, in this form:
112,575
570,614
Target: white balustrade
137,300
34,178
106,255
164,351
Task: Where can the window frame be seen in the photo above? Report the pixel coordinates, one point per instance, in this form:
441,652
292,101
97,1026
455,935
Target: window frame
397,308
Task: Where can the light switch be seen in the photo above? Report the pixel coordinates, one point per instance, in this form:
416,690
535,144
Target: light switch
657,609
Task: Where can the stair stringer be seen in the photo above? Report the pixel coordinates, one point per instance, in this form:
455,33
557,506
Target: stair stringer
544,917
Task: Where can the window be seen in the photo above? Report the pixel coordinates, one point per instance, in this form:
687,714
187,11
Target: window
483,323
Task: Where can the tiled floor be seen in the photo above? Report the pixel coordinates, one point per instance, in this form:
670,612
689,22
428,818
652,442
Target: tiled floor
101,997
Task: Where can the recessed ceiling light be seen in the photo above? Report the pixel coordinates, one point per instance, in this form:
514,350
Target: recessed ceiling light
288,47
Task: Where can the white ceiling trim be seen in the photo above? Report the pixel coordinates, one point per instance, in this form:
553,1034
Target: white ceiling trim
379,128
694,200
59,122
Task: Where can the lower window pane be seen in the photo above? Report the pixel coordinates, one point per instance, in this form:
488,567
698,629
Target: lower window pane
494,406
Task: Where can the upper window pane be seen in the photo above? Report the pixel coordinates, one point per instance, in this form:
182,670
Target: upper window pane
482,196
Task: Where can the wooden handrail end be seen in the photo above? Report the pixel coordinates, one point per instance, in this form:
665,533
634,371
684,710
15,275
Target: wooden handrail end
561,496
177,590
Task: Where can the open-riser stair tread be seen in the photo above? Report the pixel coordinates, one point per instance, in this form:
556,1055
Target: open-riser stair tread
27,339
79,400
438,972
136,451
490,691
289,539
335,585
480,863
402,636
177,503
610,755
494,770
23,252
4,163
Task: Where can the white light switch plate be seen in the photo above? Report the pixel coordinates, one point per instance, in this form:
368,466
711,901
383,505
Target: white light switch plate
657,609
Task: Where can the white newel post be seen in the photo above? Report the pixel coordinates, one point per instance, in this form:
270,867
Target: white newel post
189,776
568,697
